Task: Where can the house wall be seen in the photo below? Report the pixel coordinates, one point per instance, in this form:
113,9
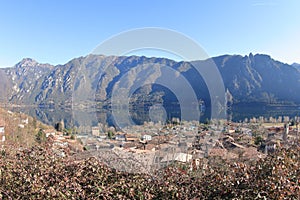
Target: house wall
147,137
2,134
2,138
95,131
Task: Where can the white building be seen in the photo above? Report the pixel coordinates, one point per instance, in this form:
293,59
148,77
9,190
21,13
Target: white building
25,121
2,133
147,137
179,157
49,132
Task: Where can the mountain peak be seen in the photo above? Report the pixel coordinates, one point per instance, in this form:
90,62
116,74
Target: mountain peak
27,62
31,63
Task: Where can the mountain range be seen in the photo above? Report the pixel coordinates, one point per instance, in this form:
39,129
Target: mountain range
85,80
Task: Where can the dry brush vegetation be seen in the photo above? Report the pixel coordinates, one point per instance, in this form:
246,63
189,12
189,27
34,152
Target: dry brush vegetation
37,173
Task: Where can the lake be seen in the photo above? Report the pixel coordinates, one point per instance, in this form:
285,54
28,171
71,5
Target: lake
92,116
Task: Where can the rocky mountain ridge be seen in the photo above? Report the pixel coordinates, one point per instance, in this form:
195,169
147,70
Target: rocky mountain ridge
247,79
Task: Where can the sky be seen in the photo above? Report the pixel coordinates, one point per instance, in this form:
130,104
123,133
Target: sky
55,31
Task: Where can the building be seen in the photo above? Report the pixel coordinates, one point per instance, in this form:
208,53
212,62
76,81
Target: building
271,146
286,132
147,137
177,157
131,137
49,132
2,133
25,121
175,120
120,137
95,131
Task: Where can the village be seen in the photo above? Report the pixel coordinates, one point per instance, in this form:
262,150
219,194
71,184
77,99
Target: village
151,146
154,145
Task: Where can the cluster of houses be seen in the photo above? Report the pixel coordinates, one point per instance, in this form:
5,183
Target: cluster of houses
62,143
189,142
280,136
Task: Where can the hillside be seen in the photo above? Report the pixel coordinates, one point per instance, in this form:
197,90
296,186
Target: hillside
20,129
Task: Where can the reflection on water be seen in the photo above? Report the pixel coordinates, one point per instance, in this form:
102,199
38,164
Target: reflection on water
91,116
239,113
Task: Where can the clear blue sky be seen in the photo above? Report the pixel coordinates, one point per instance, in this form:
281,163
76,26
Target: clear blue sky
55,31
